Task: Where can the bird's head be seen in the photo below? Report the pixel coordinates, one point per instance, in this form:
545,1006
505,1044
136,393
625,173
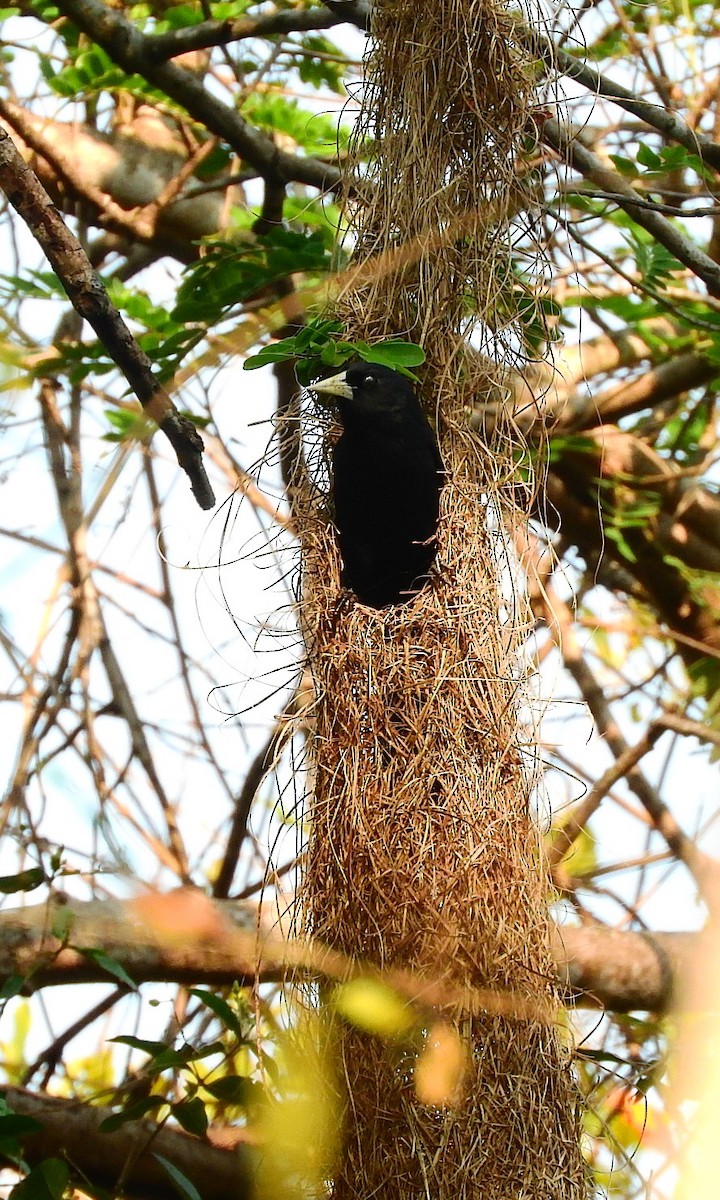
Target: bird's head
367,391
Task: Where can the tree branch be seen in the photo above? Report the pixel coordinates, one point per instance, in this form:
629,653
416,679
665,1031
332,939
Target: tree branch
358,12
129,49
704,871
89,298
666,123
121,178
619,970
581,813
670,379
162,46
231,943
128,1155
571,150
686,527
263,762
623,971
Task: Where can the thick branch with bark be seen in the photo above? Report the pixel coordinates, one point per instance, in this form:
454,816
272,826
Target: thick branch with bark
127,1159
622,971
133,51
121,178
669,124
220,944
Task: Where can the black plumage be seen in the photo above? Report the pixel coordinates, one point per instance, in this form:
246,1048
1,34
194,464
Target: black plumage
387,474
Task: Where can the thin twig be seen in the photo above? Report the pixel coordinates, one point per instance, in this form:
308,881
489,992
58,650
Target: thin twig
581,814
90,299
591,166
162,46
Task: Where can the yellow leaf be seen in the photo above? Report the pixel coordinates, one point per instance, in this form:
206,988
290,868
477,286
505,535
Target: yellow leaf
373,1007
301,1121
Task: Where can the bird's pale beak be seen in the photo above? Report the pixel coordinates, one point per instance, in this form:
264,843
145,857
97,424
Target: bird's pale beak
336,385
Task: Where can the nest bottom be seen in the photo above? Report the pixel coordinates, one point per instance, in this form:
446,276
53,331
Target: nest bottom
514,1135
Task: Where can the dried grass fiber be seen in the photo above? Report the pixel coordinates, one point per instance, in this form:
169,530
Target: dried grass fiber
422,852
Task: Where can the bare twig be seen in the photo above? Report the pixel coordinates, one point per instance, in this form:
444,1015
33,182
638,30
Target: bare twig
581,814
703,869
688,728
51,1055
125,704
264,761
162,46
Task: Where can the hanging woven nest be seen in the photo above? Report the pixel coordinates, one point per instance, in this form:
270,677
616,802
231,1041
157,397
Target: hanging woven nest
423,853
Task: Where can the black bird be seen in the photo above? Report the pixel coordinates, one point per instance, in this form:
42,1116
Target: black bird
386,479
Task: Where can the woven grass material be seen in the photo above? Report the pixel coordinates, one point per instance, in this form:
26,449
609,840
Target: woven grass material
422,852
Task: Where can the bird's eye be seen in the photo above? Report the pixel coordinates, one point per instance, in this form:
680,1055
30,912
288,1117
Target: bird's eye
369,381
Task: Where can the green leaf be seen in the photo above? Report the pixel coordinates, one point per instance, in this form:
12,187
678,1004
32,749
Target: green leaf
35,285
231,273
191,1115
315,333
581,858
624,166
163,1057
133,1112
397,355
136,1043
614,534
704,675
315,132
128,424
654,263
228,10
46,1181
648,158
63,920
170,1058
586,204
609,45
180,16
629,308
235,1089
221,1008
276,352
107,963
320,348
13,1125
12,986
24,881
92,71
45,10
180,1182
319,72
682,433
